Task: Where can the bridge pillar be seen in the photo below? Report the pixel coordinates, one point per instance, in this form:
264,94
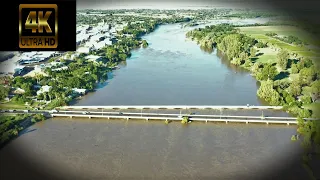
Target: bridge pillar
288,123
226,122
206,121
127,118
108,117
70,116
247,122
89,117
267,122
147,119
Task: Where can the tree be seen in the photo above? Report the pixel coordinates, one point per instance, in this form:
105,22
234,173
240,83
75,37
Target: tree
304,63
144,43
267,72
261,45
290,99
122,57
282,58
307,75
38,77
230,45
295,88
4,92
315,90
294,69
267,92
253,52
306,99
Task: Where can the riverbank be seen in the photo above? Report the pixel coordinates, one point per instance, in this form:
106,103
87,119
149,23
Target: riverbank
11,126
286,78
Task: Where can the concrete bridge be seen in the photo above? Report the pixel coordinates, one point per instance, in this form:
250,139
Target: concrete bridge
173,107
164,116
179,117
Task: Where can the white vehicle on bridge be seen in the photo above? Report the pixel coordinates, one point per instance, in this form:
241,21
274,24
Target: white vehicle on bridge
53,111
85,112
26,111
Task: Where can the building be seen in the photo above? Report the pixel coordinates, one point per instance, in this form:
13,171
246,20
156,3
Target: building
94,58
85,50
44,89
36,57
19,91
80,91
40,67
19,69
60,69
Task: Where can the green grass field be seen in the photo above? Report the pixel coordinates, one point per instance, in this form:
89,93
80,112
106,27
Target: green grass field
12,105
311,51
282,30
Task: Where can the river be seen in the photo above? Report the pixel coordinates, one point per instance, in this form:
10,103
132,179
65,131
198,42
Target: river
175,71
171,71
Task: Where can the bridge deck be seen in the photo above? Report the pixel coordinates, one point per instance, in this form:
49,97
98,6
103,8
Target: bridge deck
171,107
248,119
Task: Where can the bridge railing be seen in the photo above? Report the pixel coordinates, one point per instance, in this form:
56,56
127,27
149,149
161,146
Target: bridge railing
171,107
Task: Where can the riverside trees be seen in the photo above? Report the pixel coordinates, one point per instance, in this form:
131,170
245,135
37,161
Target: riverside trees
294,93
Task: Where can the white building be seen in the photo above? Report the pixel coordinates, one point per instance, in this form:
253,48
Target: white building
40,67
60,69
44,89
80,91
83,50
93,58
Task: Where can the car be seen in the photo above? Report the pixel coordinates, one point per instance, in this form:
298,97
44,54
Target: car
180,116
11,110
53,111
85,112
26,111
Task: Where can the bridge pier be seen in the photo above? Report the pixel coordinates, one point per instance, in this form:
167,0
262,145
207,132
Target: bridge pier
108,117
288,123
206,121
147,119
127,118
70,116
247,122
89,117
226,122
267,122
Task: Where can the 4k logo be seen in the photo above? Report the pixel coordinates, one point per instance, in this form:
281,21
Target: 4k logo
38,26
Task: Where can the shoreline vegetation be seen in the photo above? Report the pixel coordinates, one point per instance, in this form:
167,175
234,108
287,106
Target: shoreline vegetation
11,126
277,85
80,74
286,78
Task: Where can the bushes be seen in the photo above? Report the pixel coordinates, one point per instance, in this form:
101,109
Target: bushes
267,92
294,69
282,58
271,34
261,45
267,72
306,99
